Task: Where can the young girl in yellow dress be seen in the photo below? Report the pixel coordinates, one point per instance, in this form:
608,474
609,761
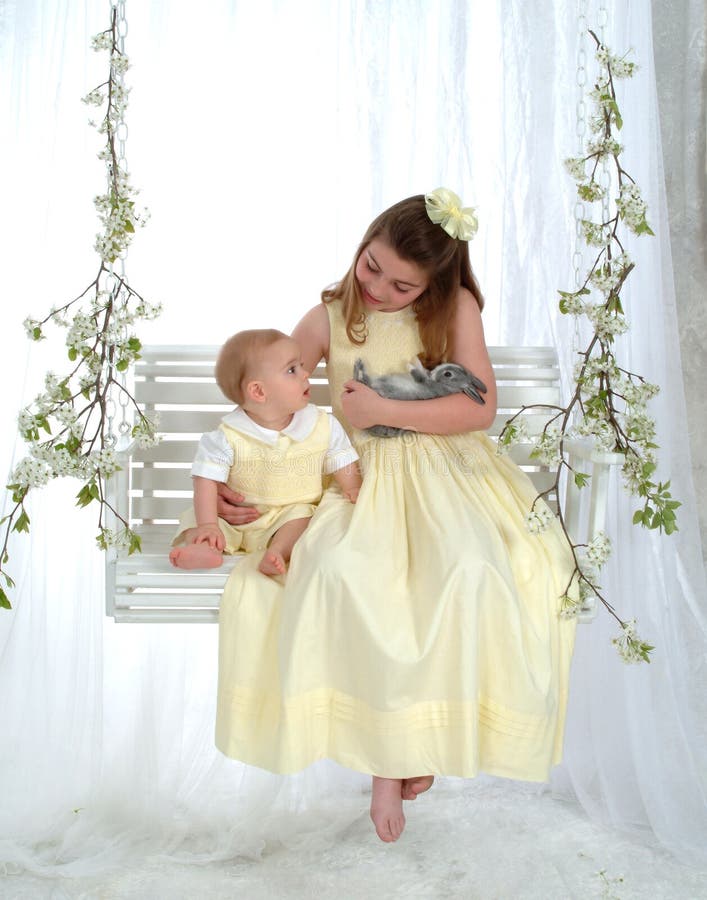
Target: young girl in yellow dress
418,631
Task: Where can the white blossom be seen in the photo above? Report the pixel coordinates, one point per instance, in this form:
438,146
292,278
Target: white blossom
104,462
606,323
102,41
119,64
631,206
31,473
596,235
640,426
570,607
604,146
575,167
538,519
631,648
547,447
94,98
598,550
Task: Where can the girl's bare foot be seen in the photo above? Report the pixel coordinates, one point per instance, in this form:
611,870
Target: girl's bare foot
387,808
414,786
195,556
272,563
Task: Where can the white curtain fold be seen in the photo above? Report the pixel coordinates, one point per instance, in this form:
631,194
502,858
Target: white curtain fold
265,137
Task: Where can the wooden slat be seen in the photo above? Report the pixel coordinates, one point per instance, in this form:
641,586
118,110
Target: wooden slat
524,395
161,480
171,579
166,616
159,507
534,423
203,393
169,451
157,561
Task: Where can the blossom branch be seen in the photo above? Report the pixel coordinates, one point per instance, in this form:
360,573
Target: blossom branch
101,346
609,403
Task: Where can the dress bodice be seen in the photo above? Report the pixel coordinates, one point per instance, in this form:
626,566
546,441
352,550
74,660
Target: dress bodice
392,343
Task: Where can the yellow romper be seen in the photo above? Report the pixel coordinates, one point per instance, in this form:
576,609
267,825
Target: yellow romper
283,480
417,631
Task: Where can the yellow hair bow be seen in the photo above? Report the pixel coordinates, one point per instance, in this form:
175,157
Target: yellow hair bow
445,208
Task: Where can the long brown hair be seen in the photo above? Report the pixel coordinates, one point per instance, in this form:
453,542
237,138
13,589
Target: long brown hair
408,230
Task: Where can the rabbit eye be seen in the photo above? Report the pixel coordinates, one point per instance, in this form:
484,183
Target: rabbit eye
447,374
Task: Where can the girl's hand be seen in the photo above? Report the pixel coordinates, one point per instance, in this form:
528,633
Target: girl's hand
230,506
209,534
362,406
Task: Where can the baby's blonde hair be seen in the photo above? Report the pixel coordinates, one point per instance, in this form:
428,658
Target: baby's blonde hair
239,356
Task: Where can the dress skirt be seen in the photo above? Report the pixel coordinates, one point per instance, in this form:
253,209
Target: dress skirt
416,632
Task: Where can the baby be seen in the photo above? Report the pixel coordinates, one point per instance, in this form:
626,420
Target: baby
274,449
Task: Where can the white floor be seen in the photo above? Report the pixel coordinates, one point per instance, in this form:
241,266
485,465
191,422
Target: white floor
489,841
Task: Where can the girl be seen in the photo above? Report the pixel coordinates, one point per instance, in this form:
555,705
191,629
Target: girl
418,632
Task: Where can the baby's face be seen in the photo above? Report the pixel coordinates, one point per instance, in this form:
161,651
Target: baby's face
284,378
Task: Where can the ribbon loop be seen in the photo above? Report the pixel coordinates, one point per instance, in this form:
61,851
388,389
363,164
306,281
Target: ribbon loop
445,208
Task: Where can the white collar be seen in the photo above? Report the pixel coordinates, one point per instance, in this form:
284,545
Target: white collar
299,429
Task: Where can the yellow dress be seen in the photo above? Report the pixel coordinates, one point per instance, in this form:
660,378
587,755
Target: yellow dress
417,631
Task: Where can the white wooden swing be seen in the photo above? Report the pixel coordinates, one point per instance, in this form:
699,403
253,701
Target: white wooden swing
154,485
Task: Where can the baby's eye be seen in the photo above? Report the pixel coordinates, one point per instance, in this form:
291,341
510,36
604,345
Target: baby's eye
292,370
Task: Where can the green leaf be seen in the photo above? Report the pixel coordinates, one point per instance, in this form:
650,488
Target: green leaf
4,602
22,523
581,479
122,365
135,543
8,581
73,353
37,333
129,227
86,494
638,516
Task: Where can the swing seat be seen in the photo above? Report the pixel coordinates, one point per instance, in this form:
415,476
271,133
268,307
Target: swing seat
153,486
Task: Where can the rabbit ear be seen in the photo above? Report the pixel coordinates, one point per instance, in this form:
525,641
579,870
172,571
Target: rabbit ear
416,364
473,393
477,383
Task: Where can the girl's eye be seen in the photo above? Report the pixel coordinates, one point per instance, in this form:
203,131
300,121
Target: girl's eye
370,267
402,290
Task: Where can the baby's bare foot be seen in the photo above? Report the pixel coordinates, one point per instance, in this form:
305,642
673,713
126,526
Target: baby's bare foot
387,808
414,786
195,556
272,563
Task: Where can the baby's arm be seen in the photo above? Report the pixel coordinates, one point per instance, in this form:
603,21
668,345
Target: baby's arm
341,461
349,480
205,500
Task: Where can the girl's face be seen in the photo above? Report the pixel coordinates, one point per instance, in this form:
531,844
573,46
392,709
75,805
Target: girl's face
387,282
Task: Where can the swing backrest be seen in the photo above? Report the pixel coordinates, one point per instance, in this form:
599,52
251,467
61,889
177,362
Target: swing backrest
154,486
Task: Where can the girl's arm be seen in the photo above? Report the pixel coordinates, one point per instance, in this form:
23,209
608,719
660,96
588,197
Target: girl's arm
443,415
312,336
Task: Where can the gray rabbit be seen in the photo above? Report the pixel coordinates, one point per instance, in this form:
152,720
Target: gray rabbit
420,384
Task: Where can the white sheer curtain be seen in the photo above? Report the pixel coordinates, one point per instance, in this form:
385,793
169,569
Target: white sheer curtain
265,137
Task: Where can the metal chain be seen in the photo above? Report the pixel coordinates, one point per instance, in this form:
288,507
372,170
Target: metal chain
580,131
117,7
605,178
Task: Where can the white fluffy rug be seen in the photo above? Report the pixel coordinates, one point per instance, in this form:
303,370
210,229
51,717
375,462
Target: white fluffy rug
490,839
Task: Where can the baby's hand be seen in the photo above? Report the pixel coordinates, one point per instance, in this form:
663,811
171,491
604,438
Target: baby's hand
352,494
210,534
